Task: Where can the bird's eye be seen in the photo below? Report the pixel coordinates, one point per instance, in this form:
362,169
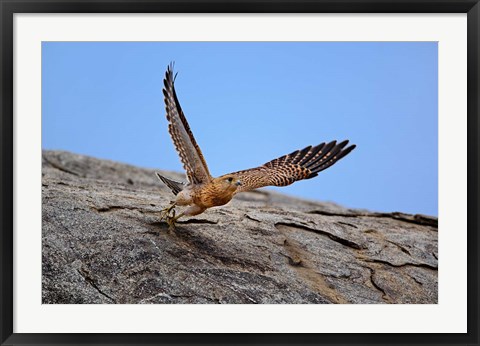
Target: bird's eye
230,179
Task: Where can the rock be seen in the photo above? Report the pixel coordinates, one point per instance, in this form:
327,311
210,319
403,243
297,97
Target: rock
103,243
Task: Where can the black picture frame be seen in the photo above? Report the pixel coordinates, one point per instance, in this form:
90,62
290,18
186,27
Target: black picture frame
9,7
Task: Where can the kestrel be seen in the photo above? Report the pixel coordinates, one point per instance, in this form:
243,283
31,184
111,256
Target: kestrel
204,191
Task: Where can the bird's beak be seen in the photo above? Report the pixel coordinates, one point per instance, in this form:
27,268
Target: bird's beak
238,183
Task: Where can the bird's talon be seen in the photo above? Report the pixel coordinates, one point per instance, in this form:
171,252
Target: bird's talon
171,225
172,220
165,213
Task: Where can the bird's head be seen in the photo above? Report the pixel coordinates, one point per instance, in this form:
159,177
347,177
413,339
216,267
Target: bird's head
228,183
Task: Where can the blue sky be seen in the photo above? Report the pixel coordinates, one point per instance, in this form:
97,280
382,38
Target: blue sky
250,102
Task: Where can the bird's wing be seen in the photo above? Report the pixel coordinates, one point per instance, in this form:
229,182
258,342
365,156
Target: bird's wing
182,137
301,164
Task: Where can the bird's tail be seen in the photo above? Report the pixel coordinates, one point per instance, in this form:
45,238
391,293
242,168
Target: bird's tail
175,186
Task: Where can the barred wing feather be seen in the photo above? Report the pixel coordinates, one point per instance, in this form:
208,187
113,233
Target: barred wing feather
298,165
182,137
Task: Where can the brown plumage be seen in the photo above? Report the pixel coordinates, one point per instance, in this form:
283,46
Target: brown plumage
301,164
203,191
188,149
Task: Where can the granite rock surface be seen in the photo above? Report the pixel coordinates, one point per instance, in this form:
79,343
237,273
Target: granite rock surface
103,242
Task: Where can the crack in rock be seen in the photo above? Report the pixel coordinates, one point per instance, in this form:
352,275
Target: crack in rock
333,237
197,221
91,281
417,219
419,265
61,168
402,248
346,224
377,286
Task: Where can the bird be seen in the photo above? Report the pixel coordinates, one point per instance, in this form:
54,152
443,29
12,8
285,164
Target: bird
202,191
